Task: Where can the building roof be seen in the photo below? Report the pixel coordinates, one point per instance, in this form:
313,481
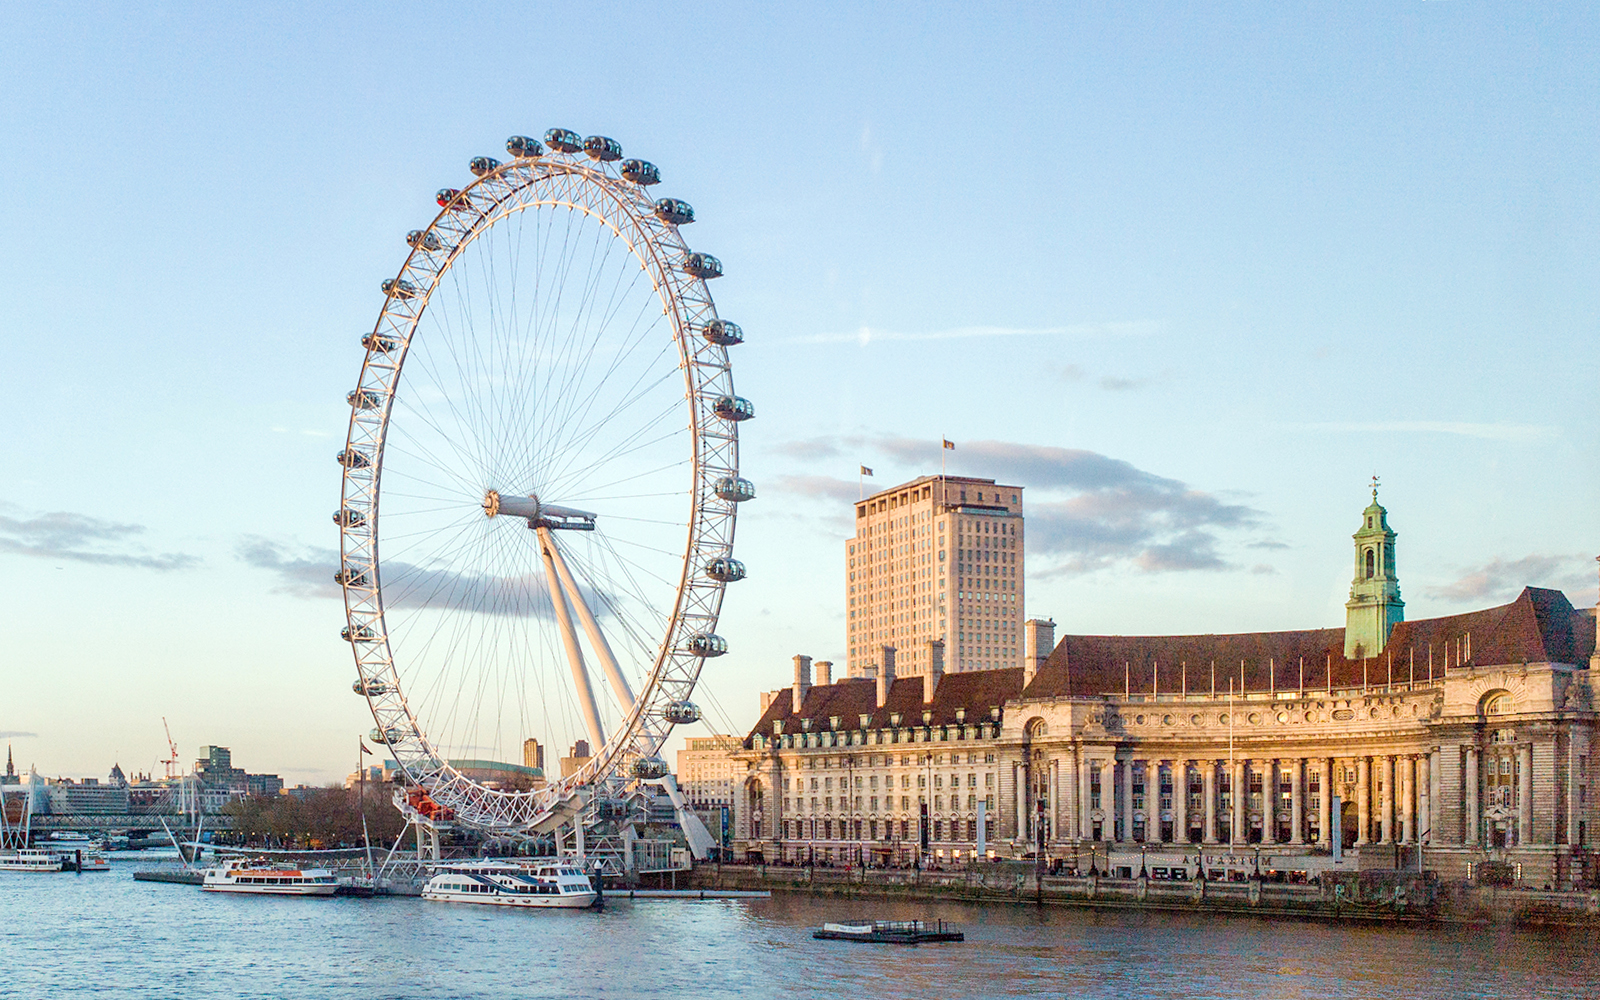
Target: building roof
976,691
1540,626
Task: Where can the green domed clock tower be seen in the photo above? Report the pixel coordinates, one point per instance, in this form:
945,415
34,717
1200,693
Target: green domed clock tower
1375,607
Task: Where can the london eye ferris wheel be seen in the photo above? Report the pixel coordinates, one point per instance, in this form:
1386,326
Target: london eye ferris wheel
540,481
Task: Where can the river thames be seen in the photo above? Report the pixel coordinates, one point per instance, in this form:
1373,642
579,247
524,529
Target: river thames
106,935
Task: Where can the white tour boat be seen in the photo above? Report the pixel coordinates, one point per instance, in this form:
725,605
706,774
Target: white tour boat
29,859
498,883
240,875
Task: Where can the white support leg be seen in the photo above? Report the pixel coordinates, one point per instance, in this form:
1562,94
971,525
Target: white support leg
591,628
569,638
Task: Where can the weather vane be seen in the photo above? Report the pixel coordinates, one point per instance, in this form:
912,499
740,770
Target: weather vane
1374,486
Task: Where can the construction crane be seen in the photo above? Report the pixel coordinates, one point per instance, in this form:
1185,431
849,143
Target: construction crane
172,760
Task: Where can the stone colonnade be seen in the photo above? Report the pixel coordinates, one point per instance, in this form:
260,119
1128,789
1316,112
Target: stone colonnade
1097,795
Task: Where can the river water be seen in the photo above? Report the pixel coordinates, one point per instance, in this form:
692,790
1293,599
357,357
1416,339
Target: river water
106,935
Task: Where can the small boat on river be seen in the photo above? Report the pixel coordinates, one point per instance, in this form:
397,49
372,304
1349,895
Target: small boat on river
890,932
241,875
29,859
560,885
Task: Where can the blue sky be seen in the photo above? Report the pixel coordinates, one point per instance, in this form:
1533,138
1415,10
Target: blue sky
1190,274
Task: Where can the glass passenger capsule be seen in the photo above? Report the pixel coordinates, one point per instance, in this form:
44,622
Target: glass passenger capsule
703,265
452,199
682,713
360,633
423,239
351,576
707,644
725,569
378,342
370,688
722,333
523,147
350,458
347,518
649,768
364,399
675,211
641,172
735,489
398,288
481,165
603,149
734,408
389,736
563,140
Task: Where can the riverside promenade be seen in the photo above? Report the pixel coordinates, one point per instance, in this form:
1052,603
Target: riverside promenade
1387,897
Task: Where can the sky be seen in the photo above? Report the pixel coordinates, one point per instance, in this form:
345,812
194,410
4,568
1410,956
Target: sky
1191,274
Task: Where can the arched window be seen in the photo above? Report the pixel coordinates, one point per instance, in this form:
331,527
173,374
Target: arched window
1497,704
1371,563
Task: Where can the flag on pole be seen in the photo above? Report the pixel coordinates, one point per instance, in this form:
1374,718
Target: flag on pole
866,471
949,445
364,749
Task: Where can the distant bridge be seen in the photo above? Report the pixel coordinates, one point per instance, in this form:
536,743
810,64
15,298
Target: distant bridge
127,821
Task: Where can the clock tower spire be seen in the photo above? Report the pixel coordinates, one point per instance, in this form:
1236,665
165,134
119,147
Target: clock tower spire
1375,607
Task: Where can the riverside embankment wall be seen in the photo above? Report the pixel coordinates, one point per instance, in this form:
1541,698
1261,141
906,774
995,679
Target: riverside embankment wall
1352,896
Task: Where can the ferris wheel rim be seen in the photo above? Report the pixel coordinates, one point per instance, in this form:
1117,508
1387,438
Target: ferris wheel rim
654,243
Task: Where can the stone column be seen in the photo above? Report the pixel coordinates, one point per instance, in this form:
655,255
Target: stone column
1127,801
1240,789
1019,783
1055,800
1363,799
1180,802
1325,801
1269,801
1574,808
1297,805
1524,795
1085,823
1424,799
1470,788
1208,779
1386,799
1435,797
1408,799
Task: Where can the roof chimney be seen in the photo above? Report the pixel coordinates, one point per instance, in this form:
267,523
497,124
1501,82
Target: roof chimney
824,673
885,674
802,681
930,680
1038,639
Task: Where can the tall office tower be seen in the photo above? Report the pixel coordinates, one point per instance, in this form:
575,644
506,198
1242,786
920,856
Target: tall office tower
939,557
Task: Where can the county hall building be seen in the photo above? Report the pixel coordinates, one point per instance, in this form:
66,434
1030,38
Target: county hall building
1468,738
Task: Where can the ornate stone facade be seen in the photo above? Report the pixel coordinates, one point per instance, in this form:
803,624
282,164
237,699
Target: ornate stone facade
1467,738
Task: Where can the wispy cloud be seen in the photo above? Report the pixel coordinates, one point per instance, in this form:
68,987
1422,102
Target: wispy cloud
81,538
823,487
1503,579
16,734
1488,432
309,573
1110,383
1089,510
867,335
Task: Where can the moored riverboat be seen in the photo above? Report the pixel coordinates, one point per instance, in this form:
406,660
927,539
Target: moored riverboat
889,932
498,883
29,859
240,875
